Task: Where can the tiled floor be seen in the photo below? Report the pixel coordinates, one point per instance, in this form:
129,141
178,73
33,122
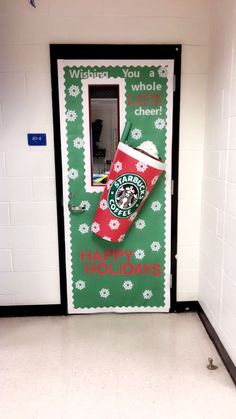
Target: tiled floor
134,366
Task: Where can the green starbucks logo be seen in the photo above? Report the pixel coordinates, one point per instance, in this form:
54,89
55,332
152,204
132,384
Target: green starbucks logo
126,194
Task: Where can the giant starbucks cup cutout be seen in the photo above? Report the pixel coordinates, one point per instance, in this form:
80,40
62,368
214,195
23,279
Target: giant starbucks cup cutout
132,177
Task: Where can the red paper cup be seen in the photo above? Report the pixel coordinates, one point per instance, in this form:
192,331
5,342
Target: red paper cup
132,177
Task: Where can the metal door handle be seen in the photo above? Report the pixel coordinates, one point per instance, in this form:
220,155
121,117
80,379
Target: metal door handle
74,208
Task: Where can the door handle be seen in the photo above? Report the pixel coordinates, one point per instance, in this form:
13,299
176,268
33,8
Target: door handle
74,208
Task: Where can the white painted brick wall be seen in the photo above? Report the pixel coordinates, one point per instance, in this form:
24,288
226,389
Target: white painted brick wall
192,126
27,237
2,164
6,260
217,292
28,211
33,260
33,213
4,214
16,189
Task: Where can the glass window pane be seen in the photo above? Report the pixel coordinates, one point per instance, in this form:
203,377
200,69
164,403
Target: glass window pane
104,129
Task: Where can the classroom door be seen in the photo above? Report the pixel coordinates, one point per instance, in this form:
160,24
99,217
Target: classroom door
96,99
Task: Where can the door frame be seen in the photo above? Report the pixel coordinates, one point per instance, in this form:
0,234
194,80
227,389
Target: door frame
115,52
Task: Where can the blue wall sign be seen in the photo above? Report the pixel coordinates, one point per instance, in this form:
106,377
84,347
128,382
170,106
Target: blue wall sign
37,139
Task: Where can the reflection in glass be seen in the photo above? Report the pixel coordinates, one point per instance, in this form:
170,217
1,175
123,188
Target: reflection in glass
104,129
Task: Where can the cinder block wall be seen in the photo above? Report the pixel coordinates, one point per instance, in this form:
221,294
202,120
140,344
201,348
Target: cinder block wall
28,238
217,291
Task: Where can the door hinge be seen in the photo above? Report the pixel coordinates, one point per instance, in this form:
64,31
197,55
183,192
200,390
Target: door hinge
172,187
174,82
171,280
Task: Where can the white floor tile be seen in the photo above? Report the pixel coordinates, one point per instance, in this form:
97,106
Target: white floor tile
135,366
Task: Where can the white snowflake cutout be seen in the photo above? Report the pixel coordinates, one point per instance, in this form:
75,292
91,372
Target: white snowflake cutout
83,228
109,183
78,142
80,285
156,206
118,166
114,224
155,246
147,294
85,205
141,166
103,204
95,227
139,254
73,90
104,293
136,133
154,180
73,174
128,285
107,238
71,116
159,123
163,71
133,216
140,224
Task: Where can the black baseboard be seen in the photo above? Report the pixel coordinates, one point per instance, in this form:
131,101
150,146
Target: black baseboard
37,310
227,361
60,309
184,307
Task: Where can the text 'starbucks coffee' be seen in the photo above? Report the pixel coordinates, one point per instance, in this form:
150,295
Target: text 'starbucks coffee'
132,177
126,194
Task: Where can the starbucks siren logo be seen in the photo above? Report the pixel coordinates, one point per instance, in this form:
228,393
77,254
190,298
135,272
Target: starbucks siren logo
126,194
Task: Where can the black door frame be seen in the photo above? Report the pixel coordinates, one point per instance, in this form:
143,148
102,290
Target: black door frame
116,52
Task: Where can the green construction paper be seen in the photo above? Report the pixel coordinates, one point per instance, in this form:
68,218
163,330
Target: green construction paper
146,238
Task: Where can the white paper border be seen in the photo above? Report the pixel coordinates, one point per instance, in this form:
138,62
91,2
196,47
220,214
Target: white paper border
86,118
168,162
65,182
